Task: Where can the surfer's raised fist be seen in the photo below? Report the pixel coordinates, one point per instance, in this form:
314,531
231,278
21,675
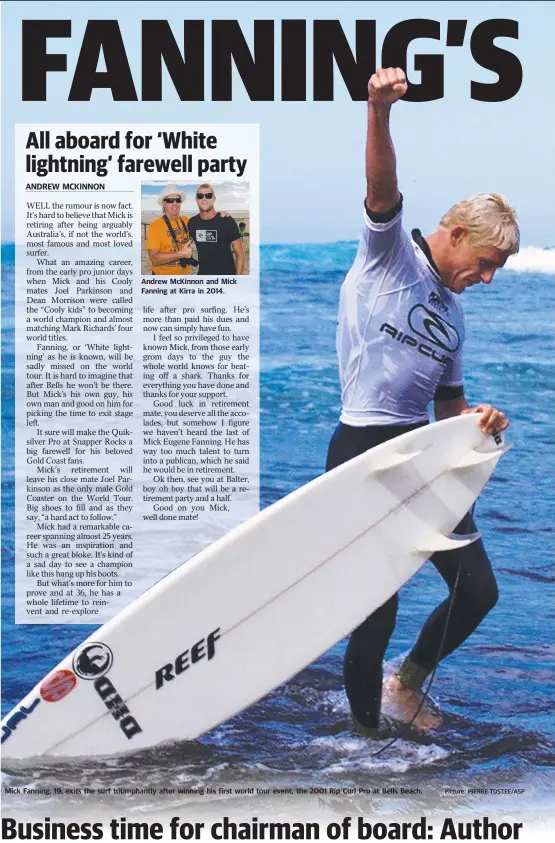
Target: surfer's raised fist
387,85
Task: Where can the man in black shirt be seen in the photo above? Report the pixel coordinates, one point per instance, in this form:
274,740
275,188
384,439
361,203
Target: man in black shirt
217,238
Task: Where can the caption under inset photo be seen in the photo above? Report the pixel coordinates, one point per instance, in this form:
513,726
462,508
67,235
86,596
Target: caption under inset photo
195,228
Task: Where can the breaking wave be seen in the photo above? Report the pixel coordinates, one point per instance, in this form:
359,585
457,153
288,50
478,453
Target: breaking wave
533,259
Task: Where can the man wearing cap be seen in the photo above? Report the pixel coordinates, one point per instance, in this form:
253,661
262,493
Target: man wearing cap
217,237
168,241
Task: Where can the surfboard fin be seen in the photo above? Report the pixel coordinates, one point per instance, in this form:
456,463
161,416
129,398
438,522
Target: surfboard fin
477,457
437,541
392,461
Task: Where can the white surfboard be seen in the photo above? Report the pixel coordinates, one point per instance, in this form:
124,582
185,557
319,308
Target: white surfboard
261,603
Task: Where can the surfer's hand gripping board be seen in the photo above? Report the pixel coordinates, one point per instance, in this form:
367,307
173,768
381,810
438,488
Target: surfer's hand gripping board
491,420
261,603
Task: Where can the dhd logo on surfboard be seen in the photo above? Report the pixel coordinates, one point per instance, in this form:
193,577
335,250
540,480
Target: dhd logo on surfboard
92,662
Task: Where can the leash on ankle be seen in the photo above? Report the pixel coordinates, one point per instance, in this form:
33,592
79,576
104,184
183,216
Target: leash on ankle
426,693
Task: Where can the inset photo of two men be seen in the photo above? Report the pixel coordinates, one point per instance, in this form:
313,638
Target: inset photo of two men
195,228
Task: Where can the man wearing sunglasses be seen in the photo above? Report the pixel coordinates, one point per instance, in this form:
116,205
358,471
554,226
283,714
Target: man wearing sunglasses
168,240
218,240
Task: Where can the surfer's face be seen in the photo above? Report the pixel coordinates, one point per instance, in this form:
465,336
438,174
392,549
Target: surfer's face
172,209
205,198
471,264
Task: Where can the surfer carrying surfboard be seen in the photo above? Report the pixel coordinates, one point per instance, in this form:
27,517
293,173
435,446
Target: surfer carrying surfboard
399,341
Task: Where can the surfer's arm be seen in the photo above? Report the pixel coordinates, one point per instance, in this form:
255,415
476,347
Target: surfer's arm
384,88
447,408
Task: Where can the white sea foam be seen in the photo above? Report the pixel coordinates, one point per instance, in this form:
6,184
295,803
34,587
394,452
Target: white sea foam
346,753
533,259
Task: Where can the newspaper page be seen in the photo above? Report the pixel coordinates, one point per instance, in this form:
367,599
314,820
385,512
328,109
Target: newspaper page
182,193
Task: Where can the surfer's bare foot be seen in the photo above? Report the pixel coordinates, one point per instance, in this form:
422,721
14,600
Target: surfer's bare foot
406,702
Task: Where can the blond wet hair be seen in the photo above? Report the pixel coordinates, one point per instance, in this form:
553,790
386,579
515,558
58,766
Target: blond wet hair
488,219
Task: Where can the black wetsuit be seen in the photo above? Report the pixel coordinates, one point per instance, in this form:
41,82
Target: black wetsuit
476,595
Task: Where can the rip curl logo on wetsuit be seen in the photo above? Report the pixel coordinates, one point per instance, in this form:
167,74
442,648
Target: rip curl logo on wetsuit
434,328
421,347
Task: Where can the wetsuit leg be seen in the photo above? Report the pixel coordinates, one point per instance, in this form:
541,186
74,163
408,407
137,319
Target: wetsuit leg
362,668
363,663
348,442
476,595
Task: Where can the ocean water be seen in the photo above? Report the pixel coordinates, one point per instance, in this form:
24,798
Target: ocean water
495,693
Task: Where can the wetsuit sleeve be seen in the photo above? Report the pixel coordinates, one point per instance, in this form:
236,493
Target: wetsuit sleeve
451,379
448,393
378,217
